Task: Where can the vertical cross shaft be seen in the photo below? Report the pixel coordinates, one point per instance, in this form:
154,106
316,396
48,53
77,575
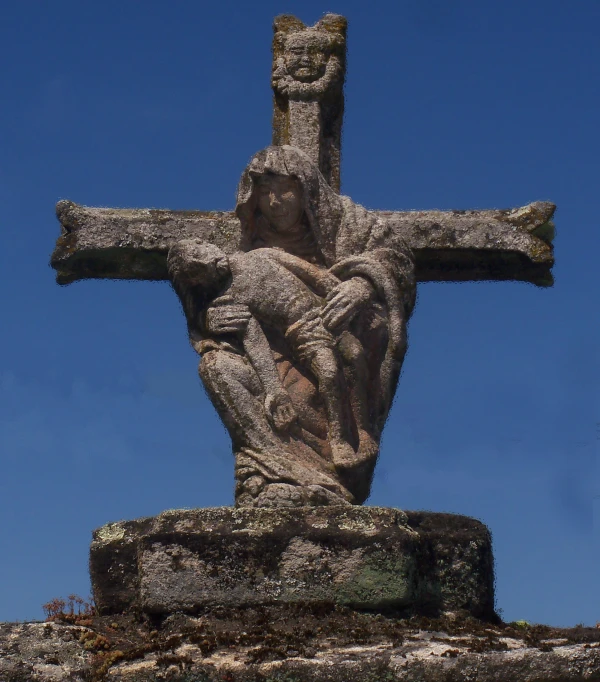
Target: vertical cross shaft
309,67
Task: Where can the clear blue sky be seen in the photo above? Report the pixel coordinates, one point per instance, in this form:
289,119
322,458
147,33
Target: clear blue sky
449,105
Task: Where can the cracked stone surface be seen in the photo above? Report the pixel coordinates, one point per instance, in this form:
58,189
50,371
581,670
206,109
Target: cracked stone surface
42,651
210,649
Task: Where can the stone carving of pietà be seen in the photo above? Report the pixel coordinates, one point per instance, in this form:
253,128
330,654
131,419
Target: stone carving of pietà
298,301
302,332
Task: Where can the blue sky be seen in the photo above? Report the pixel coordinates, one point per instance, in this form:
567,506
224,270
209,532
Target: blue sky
448,105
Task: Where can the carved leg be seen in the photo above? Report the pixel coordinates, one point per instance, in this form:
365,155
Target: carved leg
237,394
324,364
357,373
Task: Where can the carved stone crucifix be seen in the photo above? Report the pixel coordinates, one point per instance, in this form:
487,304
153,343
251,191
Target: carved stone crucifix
317,290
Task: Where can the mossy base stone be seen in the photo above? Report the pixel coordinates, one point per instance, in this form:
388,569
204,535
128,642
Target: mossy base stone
363,557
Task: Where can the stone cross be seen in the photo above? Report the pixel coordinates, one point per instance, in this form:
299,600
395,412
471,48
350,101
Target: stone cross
307,377
452,246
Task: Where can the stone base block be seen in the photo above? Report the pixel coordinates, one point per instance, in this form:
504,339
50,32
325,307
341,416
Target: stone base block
368,558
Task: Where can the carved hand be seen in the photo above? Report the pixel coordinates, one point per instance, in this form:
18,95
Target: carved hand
227,318
345,301
280,410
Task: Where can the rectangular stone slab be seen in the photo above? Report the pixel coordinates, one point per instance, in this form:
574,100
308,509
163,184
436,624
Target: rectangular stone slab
363,557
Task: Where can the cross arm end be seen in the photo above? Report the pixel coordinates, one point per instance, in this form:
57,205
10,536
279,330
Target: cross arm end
117,243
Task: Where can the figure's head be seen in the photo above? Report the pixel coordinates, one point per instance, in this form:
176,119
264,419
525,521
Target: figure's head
306,54
200,263
281,195
279,200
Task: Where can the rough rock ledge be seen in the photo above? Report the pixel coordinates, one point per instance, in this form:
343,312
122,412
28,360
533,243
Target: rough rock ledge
296,645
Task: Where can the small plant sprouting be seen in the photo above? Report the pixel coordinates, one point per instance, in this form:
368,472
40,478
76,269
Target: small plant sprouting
74,609
521,624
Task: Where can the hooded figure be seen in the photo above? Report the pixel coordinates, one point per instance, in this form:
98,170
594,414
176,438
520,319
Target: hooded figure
284,203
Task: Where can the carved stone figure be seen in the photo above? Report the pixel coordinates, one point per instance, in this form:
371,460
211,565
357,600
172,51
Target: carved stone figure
310,64
302,333
307,79
298,301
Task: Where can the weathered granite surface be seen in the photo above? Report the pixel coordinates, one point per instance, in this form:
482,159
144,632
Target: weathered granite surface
364,557
32,652
217,649
132,243
299,304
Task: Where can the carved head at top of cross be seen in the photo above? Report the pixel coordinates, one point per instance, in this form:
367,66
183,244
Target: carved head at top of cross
307,54
308,61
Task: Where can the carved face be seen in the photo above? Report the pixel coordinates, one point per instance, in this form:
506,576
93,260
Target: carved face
209,265
306,56
279,199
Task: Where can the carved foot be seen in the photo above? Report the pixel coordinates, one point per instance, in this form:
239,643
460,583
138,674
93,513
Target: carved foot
345,458
342,454
280,495
288,495
317,496
356,471
368,448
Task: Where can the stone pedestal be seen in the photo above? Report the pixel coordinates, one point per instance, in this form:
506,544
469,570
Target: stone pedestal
367,558
320,594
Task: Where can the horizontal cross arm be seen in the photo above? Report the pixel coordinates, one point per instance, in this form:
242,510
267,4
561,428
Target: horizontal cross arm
512,244
497,244
124,243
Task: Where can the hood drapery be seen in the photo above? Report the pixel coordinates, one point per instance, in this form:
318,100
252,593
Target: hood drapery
340,228
323,208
